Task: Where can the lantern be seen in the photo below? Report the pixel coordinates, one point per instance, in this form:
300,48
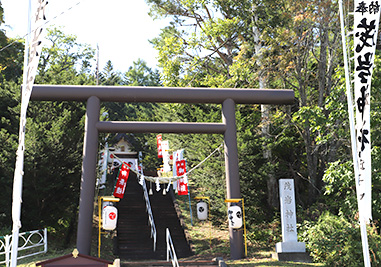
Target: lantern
109,217
235,217
202,211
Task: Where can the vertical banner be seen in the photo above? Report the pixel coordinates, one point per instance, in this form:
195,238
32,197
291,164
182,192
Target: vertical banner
165,153
182,184
177,155
159,148
366,19
121,182
33,47
103,166
140,164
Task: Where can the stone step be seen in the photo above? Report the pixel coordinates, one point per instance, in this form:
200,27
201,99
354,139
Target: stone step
134,231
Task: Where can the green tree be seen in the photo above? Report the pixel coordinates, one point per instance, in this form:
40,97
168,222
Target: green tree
139,74
304,54
108,76
9,125
65,61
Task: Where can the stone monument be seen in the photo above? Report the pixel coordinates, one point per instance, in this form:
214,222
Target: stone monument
289,249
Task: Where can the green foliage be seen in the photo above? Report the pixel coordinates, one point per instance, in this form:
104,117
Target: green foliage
64,60
336,242
340,185
139,74
9,125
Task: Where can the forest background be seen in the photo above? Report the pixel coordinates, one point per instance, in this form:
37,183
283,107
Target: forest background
209,43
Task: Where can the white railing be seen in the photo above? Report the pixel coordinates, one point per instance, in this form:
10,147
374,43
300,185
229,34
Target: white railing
29,240
171,250
150,215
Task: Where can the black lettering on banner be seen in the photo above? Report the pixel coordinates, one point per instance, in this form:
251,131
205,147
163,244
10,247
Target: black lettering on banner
360,180
368,33
363,139
362,162
361,101
362,196
364,66
374,7
362,8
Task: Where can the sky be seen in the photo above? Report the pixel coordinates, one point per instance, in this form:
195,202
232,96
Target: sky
121,28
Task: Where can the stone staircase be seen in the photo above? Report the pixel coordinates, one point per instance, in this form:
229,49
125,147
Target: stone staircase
134,242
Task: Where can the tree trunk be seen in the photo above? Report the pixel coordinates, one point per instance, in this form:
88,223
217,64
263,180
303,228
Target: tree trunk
272,185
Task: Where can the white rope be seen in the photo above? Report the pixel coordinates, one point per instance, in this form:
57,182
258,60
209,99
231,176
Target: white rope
165,180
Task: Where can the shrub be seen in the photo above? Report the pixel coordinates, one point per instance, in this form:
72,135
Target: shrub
336,242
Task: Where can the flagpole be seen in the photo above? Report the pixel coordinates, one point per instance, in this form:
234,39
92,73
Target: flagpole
364,236
18,175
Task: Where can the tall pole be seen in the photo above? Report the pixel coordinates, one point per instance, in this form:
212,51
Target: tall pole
88,179
233,189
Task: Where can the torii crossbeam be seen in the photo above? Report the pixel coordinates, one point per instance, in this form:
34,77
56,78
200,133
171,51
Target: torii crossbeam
94,95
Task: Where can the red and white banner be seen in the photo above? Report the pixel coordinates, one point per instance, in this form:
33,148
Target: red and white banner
182,184
159,148
121,182
366,19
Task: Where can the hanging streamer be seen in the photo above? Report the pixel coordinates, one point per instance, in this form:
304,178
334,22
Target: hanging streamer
157,185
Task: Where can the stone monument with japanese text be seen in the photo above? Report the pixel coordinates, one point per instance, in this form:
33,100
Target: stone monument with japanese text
289,249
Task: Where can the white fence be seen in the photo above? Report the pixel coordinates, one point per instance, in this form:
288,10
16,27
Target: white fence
150,215
171,253
30,244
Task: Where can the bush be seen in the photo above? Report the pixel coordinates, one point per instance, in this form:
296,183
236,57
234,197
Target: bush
336,242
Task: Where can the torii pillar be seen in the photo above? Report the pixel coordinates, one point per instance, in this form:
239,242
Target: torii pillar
95,94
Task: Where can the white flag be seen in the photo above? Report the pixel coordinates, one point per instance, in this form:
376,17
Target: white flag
366,19
31,58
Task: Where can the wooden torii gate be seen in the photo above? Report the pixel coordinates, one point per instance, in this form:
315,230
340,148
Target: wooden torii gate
95,94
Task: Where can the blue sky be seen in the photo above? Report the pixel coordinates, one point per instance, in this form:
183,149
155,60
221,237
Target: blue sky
120,27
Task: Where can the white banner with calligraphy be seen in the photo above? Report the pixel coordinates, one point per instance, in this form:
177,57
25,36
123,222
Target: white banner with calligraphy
32,55
366,19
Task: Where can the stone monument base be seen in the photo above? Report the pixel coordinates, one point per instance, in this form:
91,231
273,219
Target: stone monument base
290,246
291,251
292,256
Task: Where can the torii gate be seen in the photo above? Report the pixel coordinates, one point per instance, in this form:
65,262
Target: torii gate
95,94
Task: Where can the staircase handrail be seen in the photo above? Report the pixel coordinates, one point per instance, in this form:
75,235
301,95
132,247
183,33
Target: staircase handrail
171,250
150,215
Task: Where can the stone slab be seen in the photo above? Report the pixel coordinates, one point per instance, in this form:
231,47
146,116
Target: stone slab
292,256
282,247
